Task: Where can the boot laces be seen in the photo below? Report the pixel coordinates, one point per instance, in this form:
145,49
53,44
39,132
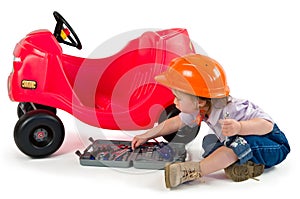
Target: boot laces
190,174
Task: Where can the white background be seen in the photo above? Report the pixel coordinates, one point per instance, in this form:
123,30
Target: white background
256,41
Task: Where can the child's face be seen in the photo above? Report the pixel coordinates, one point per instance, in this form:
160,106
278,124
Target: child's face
185,103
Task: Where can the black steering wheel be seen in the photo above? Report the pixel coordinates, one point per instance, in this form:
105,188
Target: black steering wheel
71,37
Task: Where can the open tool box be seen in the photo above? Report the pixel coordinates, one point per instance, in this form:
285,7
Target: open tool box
114,153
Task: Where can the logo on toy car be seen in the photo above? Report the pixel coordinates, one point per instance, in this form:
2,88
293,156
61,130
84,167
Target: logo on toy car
29,84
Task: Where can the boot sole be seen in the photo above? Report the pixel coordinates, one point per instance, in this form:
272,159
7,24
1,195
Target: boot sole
245,171
167,176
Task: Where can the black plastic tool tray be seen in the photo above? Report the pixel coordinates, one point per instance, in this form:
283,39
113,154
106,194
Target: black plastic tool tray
115,153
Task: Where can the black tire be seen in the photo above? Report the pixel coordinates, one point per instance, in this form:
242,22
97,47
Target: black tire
39,133
183,135
27,106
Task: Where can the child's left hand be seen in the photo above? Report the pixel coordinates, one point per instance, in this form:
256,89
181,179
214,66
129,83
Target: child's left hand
230,127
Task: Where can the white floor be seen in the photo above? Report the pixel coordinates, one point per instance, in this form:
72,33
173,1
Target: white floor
62,174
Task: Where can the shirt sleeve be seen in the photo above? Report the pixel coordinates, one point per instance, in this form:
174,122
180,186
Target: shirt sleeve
246,110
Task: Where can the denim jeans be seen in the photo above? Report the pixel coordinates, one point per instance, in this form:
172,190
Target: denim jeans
269,149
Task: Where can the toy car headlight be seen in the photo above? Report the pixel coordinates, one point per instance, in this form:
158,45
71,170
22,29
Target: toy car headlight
17,62
17,59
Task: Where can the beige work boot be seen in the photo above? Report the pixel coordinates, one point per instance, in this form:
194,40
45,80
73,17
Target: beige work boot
245,171
178,173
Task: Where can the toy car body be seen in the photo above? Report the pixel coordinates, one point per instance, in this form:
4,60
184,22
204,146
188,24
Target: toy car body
115,92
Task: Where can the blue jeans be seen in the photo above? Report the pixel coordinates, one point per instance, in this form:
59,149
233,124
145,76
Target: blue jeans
269,149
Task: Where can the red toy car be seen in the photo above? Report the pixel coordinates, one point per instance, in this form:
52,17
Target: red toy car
116,92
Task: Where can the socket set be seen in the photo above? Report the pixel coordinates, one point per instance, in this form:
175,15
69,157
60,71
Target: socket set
116,153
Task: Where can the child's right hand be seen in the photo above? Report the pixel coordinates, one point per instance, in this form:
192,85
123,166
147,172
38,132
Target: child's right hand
138,140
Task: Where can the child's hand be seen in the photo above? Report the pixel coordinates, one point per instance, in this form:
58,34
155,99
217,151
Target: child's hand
138,140
230,127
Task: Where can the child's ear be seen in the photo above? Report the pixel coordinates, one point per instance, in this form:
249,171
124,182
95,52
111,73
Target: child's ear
201,103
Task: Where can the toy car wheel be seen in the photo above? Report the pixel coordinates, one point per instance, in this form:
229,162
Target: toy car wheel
24,107
183,135
39,133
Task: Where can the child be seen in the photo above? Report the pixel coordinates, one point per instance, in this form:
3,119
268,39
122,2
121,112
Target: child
245,139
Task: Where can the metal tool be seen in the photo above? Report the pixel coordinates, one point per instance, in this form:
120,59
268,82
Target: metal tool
226,116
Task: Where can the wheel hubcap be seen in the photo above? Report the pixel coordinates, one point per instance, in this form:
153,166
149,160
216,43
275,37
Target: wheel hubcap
40,135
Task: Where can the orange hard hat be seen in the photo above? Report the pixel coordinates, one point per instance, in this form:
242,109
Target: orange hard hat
197,75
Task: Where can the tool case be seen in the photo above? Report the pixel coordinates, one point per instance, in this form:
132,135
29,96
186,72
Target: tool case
116,153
